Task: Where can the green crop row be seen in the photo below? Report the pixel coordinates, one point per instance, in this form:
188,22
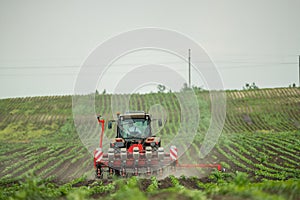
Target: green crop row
234,186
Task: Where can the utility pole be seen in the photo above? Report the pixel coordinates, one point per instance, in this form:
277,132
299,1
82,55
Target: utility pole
190,68
299,71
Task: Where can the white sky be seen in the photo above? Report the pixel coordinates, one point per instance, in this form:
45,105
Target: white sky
43,43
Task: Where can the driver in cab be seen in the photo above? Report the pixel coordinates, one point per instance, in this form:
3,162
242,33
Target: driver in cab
133,130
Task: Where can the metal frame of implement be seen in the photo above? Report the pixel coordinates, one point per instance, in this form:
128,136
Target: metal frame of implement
146,161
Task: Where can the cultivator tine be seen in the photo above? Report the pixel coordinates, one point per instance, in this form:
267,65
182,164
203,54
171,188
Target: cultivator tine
123,155
123,161
98,172
161,158
136,155
123,172
161,154
148,161
111,158
148,155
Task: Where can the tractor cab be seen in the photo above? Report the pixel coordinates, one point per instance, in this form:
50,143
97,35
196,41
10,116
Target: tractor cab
134,130
134,125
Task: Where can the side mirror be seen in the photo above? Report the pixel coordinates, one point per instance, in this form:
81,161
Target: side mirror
109,126
159,122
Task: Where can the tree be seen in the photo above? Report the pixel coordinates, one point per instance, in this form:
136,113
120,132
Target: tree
185,87
250,87
197,88
161,88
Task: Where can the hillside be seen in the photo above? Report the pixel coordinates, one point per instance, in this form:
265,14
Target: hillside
260,136
246,111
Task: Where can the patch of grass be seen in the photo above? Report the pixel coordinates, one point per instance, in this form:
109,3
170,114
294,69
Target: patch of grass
26,132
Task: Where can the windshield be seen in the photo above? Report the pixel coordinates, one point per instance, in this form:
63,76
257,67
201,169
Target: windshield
135,128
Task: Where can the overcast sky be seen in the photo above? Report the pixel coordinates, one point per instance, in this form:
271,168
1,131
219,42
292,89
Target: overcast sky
44,43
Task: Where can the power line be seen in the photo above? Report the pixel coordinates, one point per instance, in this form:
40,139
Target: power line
117,72
137,64
242,65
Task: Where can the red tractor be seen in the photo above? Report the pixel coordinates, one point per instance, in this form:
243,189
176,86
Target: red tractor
135,150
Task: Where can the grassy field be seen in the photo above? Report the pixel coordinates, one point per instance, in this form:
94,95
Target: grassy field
42,156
